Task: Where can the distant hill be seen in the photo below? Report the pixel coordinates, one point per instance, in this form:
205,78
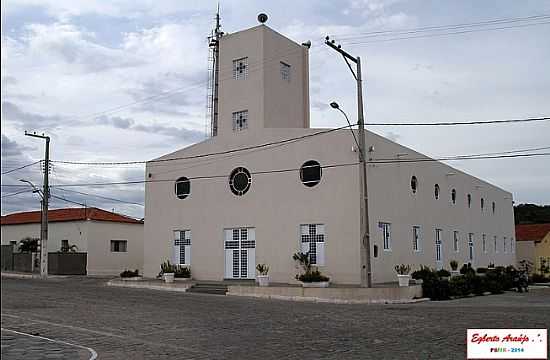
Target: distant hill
532,214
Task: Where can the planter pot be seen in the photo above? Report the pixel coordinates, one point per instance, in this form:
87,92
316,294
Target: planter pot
263,280
168,277
455,273
316,284
182,279
403,280
133,278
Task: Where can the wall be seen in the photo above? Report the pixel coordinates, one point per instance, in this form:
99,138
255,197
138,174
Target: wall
542,249
278,203
74,231
101,261
526,251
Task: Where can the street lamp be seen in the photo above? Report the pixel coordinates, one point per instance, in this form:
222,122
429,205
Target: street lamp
335,105
34,188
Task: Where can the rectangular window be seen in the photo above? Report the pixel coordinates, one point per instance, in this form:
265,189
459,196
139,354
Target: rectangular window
504,245
438,245
512,246
471,246
416,238
182,247
496,244
455,241
484,243
285,71
240,68
119,245
64,245
240,120
386,235
312,237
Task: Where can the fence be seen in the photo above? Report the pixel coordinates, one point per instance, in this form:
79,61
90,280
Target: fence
58,263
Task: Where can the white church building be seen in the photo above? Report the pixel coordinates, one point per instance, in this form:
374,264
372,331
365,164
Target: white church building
247,196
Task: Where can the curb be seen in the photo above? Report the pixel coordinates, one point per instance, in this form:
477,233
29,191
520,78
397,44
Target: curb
137,285
330,301
11,275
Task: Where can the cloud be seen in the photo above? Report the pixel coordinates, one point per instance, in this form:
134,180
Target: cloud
27,120
11,149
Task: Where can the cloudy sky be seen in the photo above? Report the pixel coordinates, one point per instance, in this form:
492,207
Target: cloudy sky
96,75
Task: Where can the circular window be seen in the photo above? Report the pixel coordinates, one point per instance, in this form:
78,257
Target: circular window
182,187
436,191
414,184
239,181
453,196
310,173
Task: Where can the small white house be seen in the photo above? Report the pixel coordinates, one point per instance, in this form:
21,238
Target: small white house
113,242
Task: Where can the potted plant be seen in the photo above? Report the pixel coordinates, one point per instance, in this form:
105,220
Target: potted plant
182,272
167,269
403,274
454,268
311,276
263,277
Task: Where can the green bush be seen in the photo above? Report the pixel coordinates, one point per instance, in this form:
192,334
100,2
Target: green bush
312,276
481,270
182,272
167,267
443,273
436,289
538,278
129,273
467,269
477,283
460,286
425,273
494,282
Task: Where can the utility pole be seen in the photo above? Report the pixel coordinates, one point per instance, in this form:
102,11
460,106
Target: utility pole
366,273
215,46
44,202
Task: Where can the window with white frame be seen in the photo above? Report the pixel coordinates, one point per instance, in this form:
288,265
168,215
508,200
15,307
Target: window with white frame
512,245
496,244
182,247
484,243
119,245
455,241
438,245
471,246
504,245
240,120
386,235
312,238
416,238
240,68
285,71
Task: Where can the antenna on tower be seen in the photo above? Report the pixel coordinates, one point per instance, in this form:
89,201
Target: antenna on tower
214,72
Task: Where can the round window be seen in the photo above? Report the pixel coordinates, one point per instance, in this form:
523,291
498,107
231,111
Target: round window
239,181
182,187
414,184
310,173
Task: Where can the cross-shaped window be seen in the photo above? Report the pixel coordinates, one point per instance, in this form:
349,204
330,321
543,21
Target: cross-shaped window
313,242
240,68
240,120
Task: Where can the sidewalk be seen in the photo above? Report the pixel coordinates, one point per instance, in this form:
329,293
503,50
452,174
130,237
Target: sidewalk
21,275
152,284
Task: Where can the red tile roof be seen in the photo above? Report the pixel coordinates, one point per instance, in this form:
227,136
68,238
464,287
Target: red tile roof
528,232
67,214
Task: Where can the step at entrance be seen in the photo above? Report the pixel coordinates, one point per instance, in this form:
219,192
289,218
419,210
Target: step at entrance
209,288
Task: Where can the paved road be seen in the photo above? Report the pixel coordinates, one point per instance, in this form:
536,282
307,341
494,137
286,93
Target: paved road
122,323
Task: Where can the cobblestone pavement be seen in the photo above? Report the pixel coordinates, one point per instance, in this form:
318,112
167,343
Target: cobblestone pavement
123,323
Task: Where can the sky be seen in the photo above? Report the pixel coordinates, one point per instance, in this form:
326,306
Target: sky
94,76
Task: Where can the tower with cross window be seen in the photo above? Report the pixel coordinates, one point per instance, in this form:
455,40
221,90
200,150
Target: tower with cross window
263,82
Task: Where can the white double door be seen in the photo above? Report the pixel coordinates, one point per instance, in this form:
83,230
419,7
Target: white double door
240,253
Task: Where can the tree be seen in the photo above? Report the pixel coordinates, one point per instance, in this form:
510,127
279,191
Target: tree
532,214
28,244
69,248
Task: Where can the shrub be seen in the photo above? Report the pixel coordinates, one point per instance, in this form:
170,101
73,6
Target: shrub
454,265
424,273
313,276
402,269
167,267
436,289
129,273
477,283
263,269
443,273
481,270
28,245
467,269
182,271
538,278
460,286
494,282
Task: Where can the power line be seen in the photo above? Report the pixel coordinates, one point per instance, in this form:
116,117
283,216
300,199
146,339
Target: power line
16,193
99,196
374,161
20,168
439,27
441,34
206,154
67,200
508,121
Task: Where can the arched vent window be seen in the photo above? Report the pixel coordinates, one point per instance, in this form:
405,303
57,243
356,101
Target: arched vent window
494,207
182,187
469,200
310,173
482,203
414,184
239,181
436,191
453,196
